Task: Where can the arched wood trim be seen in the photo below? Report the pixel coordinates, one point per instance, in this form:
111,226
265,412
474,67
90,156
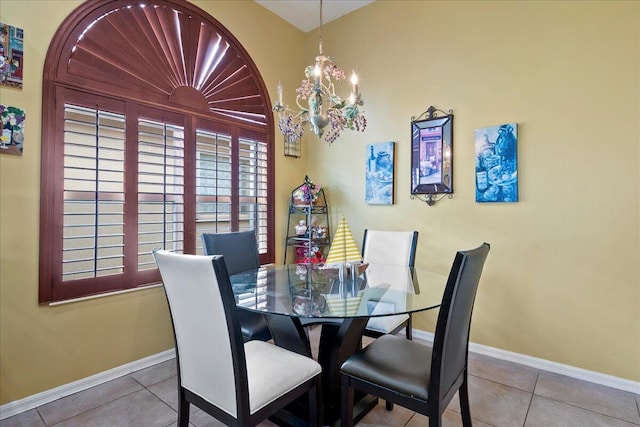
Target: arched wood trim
143,65
146,68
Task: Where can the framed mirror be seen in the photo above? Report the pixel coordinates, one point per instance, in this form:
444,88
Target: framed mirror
432,153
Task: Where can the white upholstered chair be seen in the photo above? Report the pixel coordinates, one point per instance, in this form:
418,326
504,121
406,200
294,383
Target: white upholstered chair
239,383
394,248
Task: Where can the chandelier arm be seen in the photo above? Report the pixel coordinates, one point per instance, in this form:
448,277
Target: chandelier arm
331,88
330,91
302,113
303,109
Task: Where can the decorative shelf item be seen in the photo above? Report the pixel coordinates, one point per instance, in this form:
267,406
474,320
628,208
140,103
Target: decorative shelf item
308,233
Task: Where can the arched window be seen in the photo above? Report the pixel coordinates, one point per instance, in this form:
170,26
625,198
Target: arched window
156,127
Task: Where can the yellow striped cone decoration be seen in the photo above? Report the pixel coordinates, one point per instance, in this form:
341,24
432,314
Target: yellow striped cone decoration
343,248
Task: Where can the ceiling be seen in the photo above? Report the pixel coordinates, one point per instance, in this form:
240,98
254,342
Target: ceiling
305,14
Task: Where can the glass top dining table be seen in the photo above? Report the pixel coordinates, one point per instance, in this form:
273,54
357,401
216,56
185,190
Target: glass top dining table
295,296
308,291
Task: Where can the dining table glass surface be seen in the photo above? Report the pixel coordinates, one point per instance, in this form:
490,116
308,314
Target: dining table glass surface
311,291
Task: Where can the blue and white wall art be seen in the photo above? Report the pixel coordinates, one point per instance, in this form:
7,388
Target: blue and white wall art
497,163
379,173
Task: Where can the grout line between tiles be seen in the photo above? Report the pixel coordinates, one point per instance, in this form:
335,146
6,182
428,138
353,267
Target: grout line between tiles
533,393
88,410
586,409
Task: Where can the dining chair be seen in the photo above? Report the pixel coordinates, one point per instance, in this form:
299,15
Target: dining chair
420,377
395,248
240,251
239,383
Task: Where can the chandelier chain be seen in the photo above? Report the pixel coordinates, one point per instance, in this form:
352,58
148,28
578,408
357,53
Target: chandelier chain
320,44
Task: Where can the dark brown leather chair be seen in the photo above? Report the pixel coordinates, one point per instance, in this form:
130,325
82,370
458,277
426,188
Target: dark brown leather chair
240,251
419,377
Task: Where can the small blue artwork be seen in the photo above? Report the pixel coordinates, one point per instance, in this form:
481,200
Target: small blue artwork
497,163
379,178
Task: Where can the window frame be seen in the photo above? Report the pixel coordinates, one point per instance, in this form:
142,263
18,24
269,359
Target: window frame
60,88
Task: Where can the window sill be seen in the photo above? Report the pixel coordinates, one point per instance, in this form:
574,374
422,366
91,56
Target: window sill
107,294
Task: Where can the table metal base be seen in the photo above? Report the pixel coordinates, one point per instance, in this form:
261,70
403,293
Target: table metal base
338,341
295,415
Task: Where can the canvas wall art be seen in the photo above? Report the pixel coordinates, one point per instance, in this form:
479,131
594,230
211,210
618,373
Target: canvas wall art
12,130
497,163
380,173
11,55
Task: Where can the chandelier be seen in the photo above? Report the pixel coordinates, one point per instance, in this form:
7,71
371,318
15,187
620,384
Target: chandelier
318,104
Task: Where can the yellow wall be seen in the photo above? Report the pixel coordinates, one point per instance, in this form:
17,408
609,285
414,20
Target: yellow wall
562,280
45,347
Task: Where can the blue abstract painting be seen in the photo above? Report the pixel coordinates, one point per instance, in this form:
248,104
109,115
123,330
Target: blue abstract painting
379,173
497,163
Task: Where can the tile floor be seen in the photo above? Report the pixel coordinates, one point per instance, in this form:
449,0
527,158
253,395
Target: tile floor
503,394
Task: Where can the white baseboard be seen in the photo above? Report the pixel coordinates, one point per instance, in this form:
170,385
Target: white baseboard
31,402
545,365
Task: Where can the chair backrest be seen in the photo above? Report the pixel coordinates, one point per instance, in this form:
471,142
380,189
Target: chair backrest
240,249
390,247
209,346
451,339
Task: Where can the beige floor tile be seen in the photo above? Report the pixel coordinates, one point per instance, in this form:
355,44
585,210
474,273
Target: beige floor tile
379,416
25,419
550,413
495,404
155,374
167,391
503,372
449,419
594,397
77,403
137,409
200,418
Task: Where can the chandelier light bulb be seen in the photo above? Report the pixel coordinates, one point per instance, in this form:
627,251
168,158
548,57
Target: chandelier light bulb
279,90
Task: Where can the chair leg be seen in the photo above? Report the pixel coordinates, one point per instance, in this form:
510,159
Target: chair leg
315,404
465,409
409,336
183,409
435,420
346,417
